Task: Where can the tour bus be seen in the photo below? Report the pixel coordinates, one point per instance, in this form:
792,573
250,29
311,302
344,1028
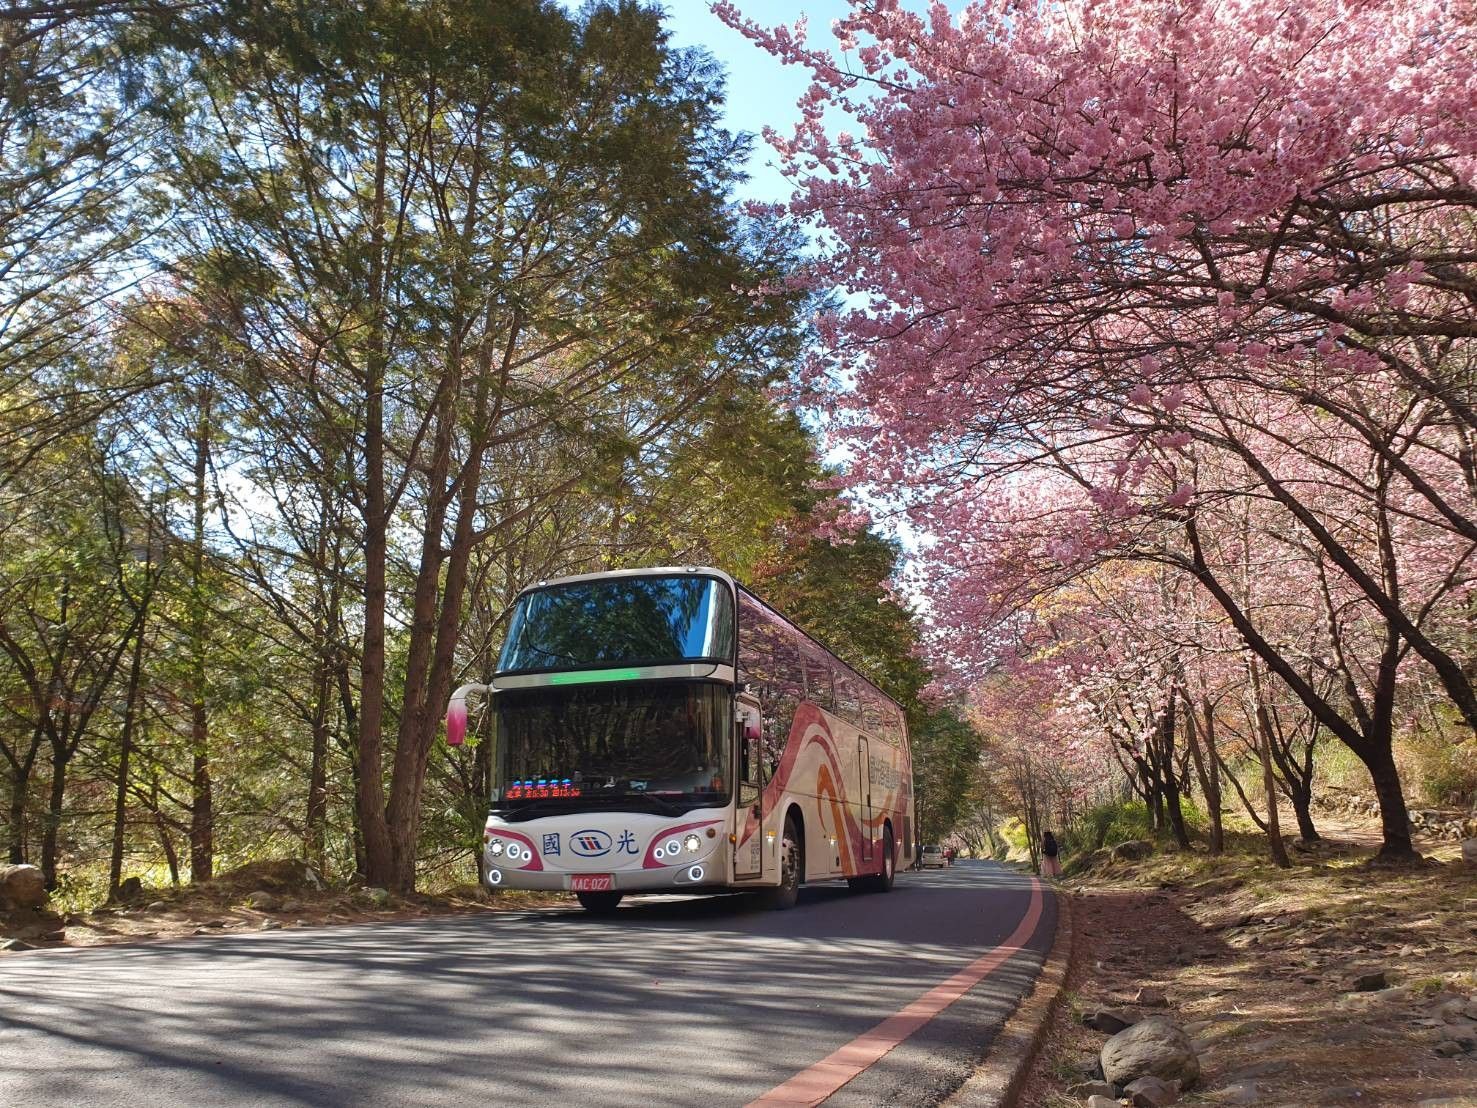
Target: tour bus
666,731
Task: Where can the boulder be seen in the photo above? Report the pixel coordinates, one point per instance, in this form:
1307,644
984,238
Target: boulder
1097,1101
1151,998
1464,1033
1155,1047
1135,850
1451,1011
1469,851
1084,1089
1107,1020
378,897
1152,1092
21,887
263,901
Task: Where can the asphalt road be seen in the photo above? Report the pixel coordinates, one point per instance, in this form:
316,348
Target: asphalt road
670,1002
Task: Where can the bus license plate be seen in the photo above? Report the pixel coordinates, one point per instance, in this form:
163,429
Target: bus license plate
590,883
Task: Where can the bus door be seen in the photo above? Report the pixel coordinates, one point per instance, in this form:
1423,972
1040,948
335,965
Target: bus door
748,854
864,793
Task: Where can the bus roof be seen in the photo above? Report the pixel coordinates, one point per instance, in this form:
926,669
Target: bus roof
649,571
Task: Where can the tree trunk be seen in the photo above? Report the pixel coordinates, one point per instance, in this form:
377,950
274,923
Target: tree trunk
1208,770
1302,808
171,857
316,819
125,750
20,785
50,839
202,808
18,788
1269,788
1394,817
379,851
1171,785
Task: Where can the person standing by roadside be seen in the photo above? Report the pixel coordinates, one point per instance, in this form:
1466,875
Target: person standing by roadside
1050,867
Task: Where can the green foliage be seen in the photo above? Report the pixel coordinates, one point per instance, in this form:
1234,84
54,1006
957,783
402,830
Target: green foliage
946,750
1120,821
1013,831
1445,772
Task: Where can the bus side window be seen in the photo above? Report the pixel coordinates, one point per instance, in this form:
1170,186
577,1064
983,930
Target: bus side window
785,695
872,716
818,679
848,705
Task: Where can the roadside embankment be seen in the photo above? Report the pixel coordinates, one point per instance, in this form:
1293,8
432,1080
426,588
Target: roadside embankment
1332,983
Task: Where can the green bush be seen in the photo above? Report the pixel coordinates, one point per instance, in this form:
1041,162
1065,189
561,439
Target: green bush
1013,831
1121,821
1445,772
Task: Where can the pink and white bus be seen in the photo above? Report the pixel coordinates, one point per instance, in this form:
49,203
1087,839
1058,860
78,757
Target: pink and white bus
664,730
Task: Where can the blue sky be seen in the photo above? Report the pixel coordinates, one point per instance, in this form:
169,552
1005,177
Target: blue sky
761,91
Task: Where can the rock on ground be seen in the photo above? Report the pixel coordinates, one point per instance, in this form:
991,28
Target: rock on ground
1153,1047
21,887
1151,1092
1107,1020
1133,851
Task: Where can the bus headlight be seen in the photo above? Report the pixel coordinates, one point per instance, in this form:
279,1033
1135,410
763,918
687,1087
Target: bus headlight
695,873
672,848
693,844
494,876
495,848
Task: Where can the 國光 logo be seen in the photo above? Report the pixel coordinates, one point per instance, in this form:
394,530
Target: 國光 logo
590,844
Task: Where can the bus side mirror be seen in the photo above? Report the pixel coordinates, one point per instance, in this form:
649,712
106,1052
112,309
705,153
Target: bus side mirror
456,713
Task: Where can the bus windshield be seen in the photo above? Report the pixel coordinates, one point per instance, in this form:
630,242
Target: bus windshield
665,742
620,621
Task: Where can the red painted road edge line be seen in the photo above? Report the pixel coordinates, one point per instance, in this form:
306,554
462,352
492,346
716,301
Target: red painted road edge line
816,1083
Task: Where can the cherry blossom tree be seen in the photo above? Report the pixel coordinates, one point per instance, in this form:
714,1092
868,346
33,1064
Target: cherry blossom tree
1113,266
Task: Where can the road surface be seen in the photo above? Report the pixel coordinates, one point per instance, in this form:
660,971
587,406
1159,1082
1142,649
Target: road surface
670,1002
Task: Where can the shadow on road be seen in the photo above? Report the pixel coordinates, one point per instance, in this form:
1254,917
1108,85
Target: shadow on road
667,1002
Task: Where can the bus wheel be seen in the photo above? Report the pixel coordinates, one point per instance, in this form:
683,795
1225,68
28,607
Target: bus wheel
877,882
882,883
599,904
792,864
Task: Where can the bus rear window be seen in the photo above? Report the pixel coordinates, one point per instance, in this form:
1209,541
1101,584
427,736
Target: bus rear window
620,621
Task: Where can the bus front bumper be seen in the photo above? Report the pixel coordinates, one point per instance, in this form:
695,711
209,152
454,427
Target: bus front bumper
668,879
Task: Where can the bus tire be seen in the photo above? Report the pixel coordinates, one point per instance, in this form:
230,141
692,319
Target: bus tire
599,904
882,883
792,865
